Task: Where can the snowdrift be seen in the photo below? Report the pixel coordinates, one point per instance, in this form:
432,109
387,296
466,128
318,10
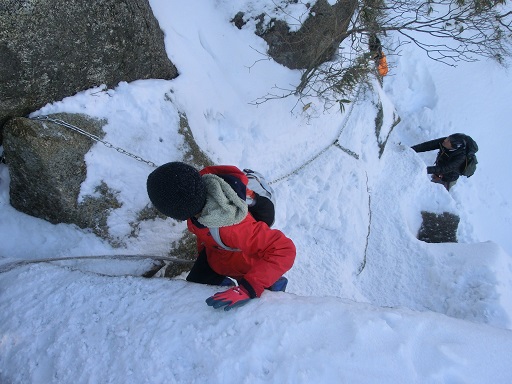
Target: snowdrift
63,325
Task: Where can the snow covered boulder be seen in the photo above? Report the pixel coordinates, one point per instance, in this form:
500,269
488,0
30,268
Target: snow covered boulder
313,43
47,167
50,50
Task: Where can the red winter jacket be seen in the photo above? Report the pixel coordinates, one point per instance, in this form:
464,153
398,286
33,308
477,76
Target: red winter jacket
265,254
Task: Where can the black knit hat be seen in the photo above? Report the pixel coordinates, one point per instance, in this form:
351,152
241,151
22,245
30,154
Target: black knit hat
177,190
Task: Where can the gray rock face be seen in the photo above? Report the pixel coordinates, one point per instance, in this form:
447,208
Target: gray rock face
46,166
53,49
315,42
438,228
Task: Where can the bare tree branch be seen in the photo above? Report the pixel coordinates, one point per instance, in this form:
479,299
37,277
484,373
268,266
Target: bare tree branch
448,31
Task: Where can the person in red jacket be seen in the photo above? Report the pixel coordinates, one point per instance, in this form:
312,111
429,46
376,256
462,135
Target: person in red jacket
214,199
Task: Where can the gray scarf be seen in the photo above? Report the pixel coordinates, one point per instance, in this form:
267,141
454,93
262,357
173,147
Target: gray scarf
223,206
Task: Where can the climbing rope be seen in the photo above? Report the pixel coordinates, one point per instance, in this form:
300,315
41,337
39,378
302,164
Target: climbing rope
93,137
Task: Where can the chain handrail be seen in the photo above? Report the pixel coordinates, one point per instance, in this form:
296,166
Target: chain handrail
93,137
20,263
335,143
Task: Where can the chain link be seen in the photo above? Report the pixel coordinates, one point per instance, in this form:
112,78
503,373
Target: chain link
150,163
93,137
334,143
346,150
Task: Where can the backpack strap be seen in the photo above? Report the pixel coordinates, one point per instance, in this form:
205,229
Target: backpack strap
256,183
215,232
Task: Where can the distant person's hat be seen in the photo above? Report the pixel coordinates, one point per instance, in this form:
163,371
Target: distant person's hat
457,141
177,190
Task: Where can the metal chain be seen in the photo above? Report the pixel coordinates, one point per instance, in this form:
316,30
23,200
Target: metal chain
20,263
296,171
334,143
346,150
150,163
93,137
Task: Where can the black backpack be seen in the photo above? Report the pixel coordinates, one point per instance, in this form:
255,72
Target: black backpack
468,168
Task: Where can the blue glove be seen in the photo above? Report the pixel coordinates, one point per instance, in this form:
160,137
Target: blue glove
232,298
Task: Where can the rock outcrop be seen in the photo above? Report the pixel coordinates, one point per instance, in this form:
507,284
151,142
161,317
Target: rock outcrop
315,42
438,228
53,49
46,166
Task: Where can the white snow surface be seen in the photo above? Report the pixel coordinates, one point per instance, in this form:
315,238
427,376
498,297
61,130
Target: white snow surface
367,302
